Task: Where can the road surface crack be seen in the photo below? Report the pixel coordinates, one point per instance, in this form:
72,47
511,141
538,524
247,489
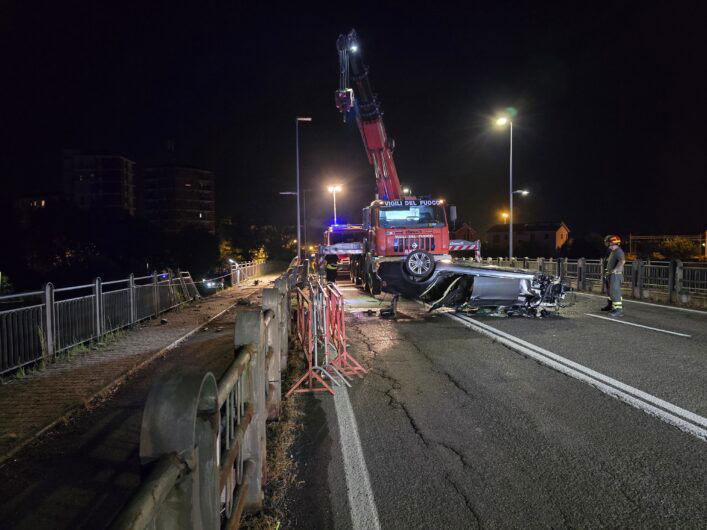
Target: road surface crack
439,370
467,501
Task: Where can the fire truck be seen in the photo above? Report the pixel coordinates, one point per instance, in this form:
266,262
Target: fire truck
406,247
346,241
404,235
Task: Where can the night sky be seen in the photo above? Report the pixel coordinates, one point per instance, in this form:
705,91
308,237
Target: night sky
610,132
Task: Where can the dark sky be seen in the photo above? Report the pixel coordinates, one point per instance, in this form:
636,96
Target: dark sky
610,96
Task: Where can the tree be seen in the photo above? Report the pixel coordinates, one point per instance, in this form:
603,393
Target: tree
679,248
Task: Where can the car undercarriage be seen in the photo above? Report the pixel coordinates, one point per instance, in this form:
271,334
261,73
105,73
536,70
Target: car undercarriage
473,287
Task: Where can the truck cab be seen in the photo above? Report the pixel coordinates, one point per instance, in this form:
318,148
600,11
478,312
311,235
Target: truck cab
403,237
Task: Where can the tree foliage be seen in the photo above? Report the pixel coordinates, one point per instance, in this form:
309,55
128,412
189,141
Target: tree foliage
679,248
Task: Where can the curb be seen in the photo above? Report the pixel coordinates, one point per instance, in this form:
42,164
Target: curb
64,418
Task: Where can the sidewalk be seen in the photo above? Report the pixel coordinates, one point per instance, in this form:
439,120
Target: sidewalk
41,400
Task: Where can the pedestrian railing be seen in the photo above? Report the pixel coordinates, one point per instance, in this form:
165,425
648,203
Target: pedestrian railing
203,442
694,278
38,325
664,281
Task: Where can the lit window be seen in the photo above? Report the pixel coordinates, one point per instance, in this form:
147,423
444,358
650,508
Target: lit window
201,215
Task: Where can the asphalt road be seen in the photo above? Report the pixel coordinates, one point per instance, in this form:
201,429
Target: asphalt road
458,431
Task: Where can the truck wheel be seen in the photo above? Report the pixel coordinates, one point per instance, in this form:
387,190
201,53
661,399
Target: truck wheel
419,264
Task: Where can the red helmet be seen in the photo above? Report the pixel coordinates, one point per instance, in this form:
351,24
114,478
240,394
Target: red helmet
612,240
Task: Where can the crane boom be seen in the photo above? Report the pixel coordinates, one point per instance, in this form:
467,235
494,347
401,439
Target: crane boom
369,116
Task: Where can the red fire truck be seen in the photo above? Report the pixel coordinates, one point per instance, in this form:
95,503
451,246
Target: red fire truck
346,241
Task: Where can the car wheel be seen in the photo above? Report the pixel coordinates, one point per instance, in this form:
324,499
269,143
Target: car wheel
419,264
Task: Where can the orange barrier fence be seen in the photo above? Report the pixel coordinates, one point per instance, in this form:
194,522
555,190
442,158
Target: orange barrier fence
321,330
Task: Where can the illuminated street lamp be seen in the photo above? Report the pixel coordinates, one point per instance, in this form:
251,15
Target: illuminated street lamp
502,121
524,193
504,216
334,190
407,191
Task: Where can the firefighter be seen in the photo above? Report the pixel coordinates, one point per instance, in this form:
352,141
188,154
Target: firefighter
614,276
331,267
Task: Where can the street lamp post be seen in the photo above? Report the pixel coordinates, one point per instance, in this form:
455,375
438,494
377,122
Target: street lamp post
299,219
504,120
333,190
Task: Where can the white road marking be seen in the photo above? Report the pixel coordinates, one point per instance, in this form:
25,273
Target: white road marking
364,514
638,325
659,306
685,420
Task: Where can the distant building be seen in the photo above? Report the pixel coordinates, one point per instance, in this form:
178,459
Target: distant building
99,181
464,232
546,236
175,196
26,205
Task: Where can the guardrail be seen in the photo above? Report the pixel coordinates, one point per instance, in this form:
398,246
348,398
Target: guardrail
662,281
203,442
38,325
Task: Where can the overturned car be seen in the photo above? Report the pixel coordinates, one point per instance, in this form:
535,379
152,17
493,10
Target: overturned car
469,286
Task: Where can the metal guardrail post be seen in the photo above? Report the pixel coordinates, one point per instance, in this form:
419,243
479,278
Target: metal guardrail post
285,320
679,275
637,278
249,330
49,320
671,282
541,265
273,340
131,291
97,303
155,294
581,274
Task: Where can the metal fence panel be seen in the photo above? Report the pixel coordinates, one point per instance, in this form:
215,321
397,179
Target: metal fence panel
21,336
570,268
694,279
628,275
74,321
116,310
656,274
144,302
593,269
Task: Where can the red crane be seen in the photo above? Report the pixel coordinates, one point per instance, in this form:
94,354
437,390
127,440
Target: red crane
379,146
398,230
